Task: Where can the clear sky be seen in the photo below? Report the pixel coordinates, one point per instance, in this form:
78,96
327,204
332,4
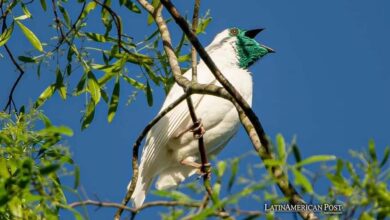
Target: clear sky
328,84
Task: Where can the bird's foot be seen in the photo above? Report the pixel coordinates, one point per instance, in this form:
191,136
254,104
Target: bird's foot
196,128
197,166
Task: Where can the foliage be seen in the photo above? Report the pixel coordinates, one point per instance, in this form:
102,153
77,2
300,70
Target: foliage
106,57
363,193
31,164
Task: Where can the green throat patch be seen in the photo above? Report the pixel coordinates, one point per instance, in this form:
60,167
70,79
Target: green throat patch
249,50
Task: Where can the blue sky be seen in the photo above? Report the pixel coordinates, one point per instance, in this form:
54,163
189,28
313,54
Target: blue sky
328,84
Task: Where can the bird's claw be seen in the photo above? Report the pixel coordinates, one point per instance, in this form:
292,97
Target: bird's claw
196,128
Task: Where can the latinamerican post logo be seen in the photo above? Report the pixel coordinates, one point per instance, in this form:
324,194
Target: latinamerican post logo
329,209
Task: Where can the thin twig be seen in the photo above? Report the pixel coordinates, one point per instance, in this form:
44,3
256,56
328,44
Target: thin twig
195,18
15,84
10,101
205,168
134,210
57,19
117,22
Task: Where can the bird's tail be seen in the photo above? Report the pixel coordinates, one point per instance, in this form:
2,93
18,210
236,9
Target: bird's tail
141,188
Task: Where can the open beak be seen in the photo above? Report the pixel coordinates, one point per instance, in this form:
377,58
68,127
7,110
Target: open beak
269,49
253,33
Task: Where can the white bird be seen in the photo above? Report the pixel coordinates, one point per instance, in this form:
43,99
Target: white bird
169,152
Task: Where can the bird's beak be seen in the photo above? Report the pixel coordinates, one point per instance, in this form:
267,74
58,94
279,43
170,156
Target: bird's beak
253,33
269,49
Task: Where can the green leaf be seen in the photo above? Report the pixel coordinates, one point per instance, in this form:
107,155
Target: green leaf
175,195
81,84
88,8
6,35
152,75
45,120
62,90
104,95
385,157
65,15
89,115
233,175
25,10
96,37
221,167
93,87
46,94
49,169
43,4
203,25
281,146
60,84
57,130
315,159
114,101
134,83
27,59
296,152
371,150
132,7
273,162
149,95
76,177
106,17
150,18
30,36
301,180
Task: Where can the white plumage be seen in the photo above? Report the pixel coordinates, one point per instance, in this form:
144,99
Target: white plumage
164,150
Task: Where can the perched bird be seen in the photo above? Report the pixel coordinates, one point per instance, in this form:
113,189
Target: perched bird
171,153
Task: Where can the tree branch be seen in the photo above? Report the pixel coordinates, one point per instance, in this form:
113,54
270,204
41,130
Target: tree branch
15,84
205,168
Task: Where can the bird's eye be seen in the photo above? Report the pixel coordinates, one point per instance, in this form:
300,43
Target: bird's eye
234,31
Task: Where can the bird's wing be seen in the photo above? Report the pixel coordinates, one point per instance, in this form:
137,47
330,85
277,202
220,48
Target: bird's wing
168,126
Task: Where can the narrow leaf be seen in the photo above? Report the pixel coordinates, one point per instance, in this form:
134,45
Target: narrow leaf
149,94
114,101
88,8
57,130
233,173
65,15
76,177
132,7
27,59
134,83
315,159
371,150
6,35
30,36
47,93
385,157
96,37
43,4
89,115
281,146
49,169
301,180
93,87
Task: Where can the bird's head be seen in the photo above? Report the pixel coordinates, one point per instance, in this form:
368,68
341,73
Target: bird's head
247,50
